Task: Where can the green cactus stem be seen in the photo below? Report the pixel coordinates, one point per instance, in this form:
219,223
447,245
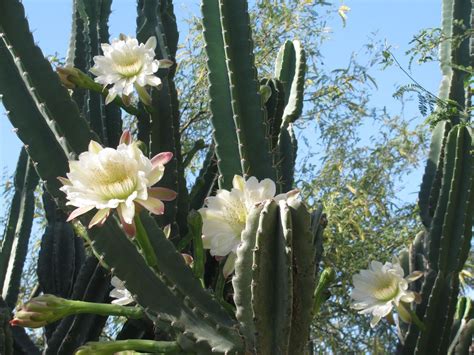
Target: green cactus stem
141,345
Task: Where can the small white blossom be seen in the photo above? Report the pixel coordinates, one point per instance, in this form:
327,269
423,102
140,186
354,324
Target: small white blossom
225,215
380,288
107,178
127,64
120,293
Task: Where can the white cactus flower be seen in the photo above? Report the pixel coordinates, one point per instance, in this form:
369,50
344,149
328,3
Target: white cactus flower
127,64
122,178
120,293
380,288
225,215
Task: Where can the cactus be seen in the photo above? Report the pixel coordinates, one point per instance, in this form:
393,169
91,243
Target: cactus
446,200
273,297
18,229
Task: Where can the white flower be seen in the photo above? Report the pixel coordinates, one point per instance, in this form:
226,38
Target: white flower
127,64
107,178
225,214
122,295
381,287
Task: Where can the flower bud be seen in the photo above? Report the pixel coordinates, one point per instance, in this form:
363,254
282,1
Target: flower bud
188,259
40,311
66,75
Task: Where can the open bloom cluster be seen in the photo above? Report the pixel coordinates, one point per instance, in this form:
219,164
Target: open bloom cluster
127,64
107,178
225,214
380,288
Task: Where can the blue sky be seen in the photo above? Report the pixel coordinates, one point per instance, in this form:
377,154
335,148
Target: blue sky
394,20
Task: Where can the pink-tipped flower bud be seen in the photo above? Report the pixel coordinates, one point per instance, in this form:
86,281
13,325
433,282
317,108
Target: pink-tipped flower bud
40,311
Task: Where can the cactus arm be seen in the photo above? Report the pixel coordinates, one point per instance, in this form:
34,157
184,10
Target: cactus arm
272,295
199,255
53,98
448,314
466,243
290,69
6,339
76,54
287,151
172,294
15,208
205,181
173,267
94,109
225,137
304,276
162,119
448,225
111,112
292,79
445,48
246,102
242,280
30,125
285,66
61,253
465,339
15,246
423,340
459,185
22,343
274,108
460,56
429,190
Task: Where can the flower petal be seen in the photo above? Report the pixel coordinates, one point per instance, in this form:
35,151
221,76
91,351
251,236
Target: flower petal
165,63
415,275
151,43
162,193
229,265
99,217
126,137
161,158
129,228
94,147
110,97
127,211
64,181
153,205
79,211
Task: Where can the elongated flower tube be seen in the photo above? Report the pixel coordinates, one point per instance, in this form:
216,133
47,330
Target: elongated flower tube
225,215
122,179
382,287
127,64
46,309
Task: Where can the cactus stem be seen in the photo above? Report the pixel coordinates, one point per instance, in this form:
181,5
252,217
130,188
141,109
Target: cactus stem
162,347
142,239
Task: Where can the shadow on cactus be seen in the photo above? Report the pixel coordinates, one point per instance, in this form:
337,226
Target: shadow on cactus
237,273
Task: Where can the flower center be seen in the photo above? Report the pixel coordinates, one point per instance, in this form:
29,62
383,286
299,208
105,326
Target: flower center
113,181
386,288
236,215
128,66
